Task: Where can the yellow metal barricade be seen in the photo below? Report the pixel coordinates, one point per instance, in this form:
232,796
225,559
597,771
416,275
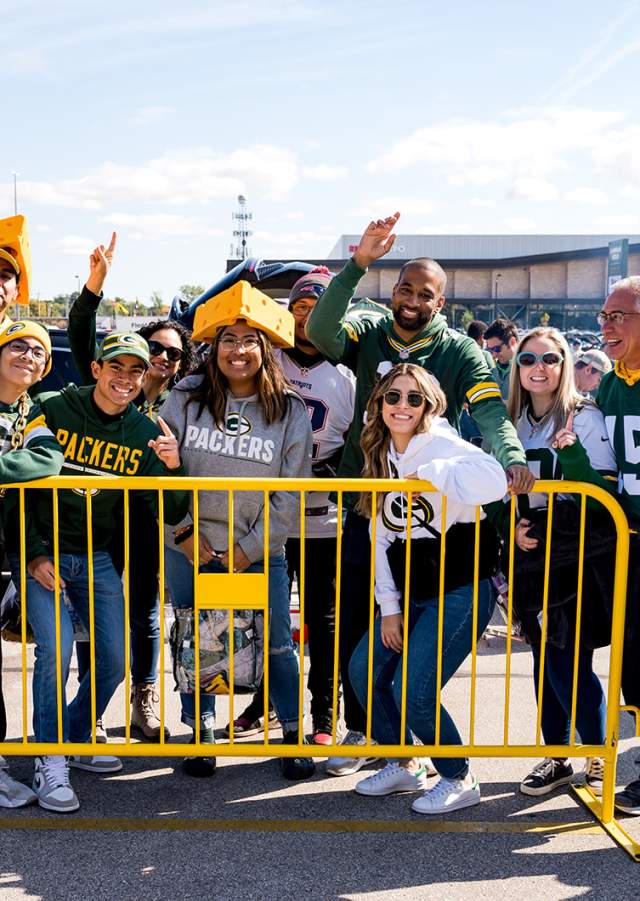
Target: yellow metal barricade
232,590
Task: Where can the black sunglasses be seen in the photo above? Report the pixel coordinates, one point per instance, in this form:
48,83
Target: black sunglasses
392,397
156,349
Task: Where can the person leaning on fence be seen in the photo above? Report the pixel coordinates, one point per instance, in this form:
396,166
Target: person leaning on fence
170,358
102,434
28,450
564,437
328,392
237,417
406,436
619,400
415,332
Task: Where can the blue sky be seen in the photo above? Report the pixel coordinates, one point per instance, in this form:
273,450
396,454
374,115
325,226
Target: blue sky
151,118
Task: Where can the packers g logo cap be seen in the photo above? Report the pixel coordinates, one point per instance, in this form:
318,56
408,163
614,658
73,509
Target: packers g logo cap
120,343
25,328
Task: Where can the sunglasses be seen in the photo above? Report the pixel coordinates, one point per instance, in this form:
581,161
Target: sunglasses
495,348
156,349
393,397
527,358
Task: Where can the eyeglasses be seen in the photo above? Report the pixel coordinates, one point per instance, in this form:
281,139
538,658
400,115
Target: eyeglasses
22,349
300,309
228,344
615,316
527,358
495,348
156,349
392,398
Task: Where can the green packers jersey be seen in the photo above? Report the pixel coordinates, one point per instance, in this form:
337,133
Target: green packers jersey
370,348
620,404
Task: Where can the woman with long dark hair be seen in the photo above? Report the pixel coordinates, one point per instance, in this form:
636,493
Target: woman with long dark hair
236,417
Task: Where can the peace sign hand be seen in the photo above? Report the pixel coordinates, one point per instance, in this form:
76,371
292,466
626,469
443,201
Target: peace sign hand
166,446
565,437
100,262
378,239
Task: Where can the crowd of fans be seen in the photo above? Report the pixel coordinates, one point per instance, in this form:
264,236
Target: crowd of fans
401,396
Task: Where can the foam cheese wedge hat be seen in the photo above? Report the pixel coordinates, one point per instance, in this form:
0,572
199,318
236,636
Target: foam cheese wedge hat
243,301
14,246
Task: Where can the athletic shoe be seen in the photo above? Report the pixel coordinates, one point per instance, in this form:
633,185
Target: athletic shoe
322,731
14,794
145,719
243,725
628,801
392,778
347,766
105,764
3,763
594,774
101,733
51,784
295,767
201,767
449,794
547,775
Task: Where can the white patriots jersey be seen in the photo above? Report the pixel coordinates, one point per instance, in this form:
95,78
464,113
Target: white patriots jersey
589,426
329,392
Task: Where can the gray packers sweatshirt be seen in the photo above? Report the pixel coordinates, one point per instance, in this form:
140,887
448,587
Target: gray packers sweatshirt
246,446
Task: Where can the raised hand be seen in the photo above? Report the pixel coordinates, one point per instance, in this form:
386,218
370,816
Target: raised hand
565,437
166,446
100,262
378,239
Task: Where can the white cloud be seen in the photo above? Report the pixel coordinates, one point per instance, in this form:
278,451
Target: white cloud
189,176
618,222
323,172
537,189
482,202
520,223
161,225
74,245
518,150
408,205
587,195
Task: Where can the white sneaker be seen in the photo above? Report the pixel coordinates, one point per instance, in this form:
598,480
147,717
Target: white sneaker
346,766
105,764
392,778
12,793
449,794
51,784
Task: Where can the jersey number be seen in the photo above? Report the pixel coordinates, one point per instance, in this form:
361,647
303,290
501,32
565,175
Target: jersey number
318,412
548,464
631,433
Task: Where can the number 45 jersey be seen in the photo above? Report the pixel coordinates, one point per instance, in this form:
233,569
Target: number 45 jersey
329,393
620,405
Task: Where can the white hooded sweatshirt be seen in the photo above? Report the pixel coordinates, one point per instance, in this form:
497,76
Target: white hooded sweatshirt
464,473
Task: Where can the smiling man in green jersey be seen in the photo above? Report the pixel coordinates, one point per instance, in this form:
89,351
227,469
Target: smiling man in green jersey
619,400
416,332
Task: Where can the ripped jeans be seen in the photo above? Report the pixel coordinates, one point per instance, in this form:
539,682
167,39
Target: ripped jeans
283,662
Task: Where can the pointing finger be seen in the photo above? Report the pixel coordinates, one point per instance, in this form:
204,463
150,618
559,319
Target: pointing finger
165,428
569,425
112,243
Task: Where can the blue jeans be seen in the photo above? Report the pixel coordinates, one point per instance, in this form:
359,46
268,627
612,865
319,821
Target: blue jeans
108,610
283,663
557,688
457,640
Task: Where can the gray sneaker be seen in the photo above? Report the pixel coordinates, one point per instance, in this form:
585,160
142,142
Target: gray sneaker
105,764
12,793
346,766
51,784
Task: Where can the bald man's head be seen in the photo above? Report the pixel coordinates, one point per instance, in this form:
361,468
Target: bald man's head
429,264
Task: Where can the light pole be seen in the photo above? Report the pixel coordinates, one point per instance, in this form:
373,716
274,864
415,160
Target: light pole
15,193
495,295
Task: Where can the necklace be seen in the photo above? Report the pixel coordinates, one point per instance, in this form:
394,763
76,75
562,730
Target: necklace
17,435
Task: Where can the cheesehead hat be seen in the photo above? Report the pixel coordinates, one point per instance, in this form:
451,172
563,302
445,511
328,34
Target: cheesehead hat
243,301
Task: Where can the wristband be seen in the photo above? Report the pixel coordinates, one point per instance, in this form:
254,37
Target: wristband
182,534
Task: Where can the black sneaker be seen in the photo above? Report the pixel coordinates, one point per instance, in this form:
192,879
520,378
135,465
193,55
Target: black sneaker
296,767
201,767
546,776
628,801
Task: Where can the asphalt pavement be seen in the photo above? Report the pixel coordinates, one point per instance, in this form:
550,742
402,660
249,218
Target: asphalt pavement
152,832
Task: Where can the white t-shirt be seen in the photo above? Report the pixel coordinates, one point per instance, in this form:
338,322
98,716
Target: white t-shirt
329,392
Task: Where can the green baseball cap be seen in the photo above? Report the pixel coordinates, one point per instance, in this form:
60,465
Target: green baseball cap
120,343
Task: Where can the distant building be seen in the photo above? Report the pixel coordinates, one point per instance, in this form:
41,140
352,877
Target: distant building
520,277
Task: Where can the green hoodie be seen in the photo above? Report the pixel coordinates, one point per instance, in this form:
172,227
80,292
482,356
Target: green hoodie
39,456
371,348
115,448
